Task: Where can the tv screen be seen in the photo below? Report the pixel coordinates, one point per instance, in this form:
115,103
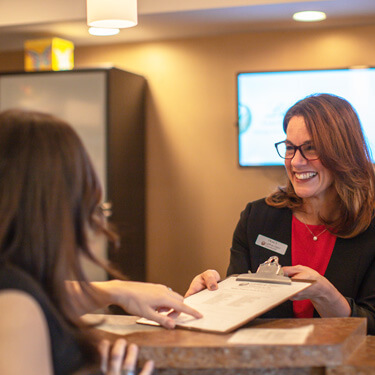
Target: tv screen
264,97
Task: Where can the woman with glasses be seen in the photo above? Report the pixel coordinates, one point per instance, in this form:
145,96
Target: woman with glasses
321,224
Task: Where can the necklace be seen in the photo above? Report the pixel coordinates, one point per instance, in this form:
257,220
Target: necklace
315,236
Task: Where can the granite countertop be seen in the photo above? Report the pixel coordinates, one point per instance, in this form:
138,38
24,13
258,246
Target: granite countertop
331,343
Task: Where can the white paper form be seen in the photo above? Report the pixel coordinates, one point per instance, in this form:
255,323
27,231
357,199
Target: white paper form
272,336
235,303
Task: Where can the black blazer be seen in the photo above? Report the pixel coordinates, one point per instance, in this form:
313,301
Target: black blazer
351,268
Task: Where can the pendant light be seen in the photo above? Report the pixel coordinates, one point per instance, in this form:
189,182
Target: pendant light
112,14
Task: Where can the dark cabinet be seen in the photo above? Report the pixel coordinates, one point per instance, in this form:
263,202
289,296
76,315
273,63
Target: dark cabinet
106,107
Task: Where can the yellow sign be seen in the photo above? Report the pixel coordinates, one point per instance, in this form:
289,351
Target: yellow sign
49,54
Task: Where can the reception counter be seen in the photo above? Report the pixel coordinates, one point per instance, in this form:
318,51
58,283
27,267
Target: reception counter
333,347
361,362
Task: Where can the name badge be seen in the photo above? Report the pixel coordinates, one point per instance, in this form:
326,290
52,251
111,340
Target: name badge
270,244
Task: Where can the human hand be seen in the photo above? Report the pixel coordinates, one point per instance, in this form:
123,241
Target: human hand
208,279
118,359
317,289
327,300
147,300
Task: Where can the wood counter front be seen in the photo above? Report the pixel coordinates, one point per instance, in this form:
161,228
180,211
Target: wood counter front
185,352
361,362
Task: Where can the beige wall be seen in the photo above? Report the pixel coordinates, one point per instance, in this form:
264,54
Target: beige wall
195,189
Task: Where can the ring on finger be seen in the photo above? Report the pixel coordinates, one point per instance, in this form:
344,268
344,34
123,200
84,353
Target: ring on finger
127,372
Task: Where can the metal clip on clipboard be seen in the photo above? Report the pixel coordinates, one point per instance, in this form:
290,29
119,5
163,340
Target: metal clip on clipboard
268,272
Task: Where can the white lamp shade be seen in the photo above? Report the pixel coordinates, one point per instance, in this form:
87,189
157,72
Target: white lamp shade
112,14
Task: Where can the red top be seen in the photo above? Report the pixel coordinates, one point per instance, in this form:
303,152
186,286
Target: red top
310,253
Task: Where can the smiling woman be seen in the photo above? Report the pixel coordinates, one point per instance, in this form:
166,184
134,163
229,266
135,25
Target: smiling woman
310,179
331,124
323,217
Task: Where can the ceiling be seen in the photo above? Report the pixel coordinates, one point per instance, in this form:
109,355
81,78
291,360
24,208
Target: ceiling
168,19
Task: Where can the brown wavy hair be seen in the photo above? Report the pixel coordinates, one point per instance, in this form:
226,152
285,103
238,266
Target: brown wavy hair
337,134
49,199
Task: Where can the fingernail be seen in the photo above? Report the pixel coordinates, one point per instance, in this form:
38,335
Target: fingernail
170,324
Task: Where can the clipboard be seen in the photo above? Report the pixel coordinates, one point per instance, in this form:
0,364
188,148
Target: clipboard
268,272
239,299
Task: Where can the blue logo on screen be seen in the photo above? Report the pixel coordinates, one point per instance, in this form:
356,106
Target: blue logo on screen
244,118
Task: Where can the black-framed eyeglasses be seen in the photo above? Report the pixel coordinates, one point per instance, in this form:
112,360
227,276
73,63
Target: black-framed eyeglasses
287,150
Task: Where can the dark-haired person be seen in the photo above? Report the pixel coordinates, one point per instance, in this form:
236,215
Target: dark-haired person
322,221
49,198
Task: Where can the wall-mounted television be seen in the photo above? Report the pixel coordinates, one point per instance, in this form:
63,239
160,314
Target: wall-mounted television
264,97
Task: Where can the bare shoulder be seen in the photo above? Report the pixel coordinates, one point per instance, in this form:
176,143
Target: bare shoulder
19,310
24,336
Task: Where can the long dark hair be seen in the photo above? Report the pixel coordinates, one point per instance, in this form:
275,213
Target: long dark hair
337,134
49,198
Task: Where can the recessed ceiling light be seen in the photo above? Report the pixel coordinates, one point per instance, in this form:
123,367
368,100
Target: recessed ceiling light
100,31
309,16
